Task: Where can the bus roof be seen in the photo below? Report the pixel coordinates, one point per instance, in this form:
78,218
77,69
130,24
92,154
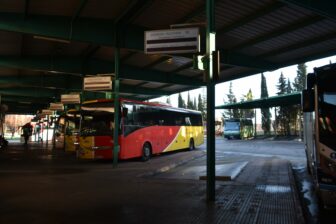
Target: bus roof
104,103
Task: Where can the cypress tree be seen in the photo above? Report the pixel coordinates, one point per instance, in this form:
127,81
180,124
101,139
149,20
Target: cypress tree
265,112
180,102
281,117
168,100
231,113
201,106
299,85
300,79
189,102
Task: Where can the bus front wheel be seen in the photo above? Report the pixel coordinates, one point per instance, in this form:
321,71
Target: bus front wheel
146,152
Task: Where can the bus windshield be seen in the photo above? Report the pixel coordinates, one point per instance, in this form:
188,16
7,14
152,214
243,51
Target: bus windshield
97,123
230,125
327,118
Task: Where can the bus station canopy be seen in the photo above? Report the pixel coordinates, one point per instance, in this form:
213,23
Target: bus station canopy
274,101
46,47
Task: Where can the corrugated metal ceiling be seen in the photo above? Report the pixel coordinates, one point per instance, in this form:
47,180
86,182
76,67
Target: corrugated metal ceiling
260,34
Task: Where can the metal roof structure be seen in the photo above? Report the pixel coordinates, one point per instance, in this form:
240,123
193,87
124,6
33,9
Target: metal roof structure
46,47
274,101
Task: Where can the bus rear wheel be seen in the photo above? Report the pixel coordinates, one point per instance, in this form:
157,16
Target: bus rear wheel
191,144
146,152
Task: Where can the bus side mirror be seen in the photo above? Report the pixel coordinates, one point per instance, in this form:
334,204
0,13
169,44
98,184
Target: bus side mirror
307,100
125,111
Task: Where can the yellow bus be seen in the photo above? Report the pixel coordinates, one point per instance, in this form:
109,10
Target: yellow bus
67,131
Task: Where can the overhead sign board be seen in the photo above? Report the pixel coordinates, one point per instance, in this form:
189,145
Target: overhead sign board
47,112
70,98
56,106
182,40
97,83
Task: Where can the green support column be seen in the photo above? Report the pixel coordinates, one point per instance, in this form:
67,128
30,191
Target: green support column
116,108
255,123
66,123
47,128
54,130
210,47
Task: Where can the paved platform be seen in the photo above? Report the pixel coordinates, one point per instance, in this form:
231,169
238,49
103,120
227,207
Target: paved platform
40,185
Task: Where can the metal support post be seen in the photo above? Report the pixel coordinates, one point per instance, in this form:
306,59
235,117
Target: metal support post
54,130
210,47
47,127
116,108
255,123
65,125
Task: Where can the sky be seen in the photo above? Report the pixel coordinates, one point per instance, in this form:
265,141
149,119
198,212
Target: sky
241,86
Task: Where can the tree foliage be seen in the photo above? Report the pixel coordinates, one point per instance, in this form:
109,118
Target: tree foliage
168,100
231,113
300,79
247,113
284,112
180,101
299,85
265,112
202,105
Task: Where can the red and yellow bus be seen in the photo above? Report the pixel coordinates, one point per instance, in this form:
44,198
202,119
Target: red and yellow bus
67,131
145,129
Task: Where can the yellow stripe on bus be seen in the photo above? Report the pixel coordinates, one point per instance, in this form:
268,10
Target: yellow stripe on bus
182,139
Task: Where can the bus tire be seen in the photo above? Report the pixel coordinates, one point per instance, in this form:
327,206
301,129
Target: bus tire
146,152
191,144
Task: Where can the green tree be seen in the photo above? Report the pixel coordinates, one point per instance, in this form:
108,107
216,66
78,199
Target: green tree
194,104
201,106
299,85
281,116
289,111
180,101
189,102
247,113
168,100
281,86
300,79
231,113
265,112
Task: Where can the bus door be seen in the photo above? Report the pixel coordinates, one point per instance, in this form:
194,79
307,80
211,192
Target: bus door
59,133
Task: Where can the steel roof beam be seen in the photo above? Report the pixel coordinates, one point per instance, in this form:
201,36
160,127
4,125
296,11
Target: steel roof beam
46,81
98,31
306,43
30,92
79,10
324,8
277,32
232,58
27,3
72,83
158,61
129,72
247,19
183,67
11,98
14,108
133,10
94,66
274,101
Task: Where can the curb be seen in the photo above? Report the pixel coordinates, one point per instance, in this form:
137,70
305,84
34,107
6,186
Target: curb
171,166
297,198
